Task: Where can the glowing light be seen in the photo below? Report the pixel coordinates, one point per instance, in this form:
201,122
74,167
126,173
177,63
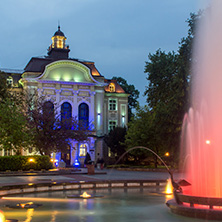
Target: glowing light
167,154
208,142
169,187
67,77
112,87
76,163
23,205
99,120
2,216
31,160
123,120
85,195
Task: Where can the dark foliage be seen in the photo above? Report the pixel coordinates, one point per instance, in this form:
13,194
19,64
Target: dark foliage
15,163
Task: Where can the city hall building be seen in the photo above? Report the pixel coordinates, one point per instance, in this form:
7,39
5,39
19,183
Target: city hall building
78,88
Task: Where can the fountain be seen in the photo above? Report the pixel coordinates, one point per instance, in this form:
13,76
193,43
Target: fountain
85,195
202,126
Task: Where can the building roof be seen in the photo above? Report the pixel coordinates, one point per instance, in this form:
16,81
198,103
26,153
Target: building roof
38,64
59,32
117,87
18,71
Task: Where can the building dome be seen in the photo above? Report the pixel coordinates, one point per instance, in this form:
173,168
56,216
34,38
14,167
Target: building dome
59,32
58,48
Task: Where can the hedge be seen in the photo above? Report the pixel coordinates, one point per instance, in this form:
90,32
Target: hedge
15,163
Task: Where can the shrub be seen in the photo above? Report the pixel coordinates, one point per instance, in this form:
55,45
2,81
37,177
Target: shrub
15,163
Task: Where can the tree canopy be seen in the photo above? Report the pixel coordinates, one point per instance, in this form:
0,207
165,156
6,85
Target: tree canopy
115,141
158,125
14,133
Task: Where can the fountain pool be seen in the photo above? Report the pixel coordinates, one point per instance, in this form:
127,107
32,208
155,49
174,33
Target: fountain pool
119,205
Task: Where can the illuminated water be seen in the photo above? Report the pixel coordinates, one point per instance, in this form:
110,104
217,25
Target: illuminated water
203,123
117,205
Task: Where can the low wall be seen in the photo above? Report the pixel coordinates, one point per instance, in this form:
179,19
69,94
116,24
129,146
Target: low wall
73,185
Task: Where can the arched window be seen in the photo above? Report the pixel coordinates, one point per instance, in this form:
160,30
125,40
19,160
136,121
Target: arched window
48,108
66,114
48,113
84,114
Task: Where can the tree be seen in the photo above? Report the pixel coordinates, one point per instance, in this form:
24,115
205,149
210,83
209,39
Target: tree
14,134
158,125
50,132
164,96
143,131
4,90
161,70
115,141
133,95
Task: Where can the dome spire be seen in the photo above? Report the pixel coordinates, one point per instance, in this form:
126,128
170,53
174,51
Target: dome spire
58,44
58,25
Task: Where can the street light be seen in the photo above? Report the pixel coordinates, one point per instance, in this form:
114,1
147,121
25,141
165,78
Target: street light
167,154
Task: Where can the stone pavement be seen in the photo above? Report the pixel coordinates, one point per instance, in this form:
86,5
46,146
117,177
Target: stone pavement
100,175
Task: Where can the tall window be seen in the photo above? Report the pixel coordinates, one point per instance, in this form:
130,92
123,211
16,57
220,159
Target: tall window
84,114
66,114
112,104
82,150
48,108
112,125
48,113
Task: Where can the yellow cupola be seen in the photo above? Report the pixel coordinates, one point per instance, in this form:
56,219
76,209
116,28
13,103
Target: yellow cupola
58,48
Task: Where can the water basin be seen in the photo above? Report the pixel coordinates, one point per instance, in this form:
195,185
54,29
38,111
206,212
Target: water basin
113,205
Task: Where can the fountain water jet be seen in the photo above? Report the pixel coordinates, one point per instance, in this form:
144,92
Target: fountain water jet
176,185
202,126
204,120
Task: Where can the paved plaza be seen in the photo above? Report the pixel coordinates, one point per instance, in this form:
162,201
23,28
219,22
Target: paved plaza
100,175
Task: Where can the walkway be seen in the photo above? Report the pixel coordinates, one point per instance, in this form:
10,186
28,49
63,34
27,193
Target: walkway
100,175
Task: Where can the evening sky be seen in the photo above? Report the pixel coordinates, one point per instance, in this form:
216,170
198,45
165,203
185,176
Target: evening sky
117,35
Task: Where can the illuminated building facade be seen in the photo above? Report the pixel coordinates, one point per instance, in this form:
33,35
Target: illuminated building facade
77,87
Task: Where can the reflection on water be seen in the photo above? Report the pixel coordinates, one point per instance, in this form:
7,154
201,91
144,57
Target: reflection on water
29,215
117,205
2,216
54,214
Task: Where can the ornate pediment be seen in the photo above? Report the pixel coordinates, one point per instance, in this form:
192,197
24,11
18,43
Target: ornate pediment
67,71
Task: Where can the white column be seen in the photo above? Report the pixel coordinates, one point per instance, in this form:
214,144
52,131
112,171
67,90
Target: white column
92,107
58,91
75,105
